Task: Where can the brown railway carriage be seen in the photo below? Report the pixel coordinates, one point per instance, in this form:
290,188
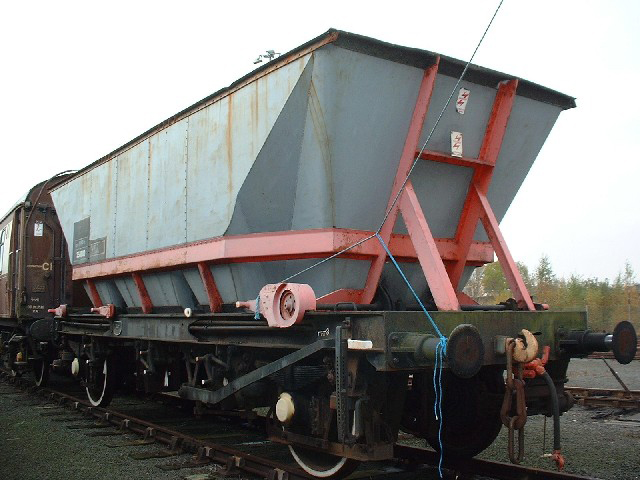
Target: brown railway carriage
35,275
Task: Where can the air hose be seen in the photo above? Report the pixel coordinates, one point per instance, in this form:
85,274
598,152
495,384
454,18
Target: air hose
557,456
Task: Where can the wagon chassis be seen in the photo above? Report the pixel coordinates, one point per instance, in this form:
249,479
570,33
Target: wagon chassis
359,344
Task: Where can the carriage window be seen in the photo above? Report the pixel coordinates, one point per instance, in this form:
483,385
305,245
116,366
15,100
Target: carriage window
5,239
3,235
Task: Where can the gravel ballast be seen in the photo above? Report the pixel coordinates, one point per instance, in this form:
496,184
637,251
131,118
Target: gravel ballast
595,442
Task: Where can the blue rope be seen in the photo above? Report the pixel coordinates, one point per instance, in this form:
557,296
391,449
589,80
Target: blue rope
437,403
441,350
433,324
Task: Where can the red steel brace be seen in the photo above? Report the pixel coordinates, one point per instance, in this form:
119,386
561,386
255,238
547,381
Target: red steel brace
145,299
215,300
477,207
93,293
419,232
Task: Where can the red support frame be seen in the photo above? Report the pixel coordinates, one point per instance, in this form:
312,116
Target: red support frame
406,161
443,278
145,299
442,259
482,175
511,272
273,246
215,300
94,296
476,206
434,271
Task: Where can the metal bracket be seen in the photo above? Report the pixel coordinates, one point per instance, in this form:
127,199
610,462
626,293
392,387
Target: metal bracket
213,397
341,386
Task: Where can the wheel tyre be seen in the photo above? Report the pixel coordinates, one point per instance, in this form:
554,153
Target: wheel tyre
471,423
323,465
41,372
100,392
470,411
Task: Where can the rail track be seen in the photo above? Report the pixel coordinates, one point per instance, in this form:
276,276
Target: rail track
610,356
601,397
200,449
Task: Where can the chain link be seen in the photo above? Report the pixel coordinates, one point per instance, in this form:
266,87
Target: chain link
514,384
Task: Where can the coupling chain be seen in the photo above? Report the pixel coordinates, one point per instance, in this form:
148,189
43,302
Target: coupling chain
514,384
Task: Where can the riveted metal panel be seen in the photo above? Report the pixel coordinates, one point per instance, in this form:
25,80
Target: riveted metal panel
73,204
366,104
102,210
193,278
168,289
223,143
166,205
127,289
109,293
132,200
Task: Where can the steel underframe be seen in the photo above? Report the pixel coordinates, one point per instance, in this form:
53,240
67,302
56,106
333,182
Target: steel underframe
208,330
442,260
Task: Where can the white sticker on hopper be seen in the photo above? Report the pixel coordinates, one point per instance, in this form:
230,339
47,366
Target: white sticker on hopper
38,229
456,144
461,103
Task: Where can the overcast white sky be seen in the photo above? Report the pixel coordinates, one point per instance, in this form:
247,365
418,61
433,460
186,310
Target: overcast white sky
79,79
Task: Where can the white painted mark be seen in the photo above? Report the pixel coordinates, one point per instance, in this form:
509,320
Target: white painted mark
463,98
456,144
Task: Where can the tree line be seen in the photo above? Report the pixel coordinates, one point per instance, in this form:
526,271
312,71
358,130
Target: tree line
606,301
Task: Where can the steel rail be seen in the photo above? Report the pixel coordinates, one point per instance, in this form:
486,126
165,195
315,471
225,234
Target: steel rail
208,452
601,397
476,466
610,356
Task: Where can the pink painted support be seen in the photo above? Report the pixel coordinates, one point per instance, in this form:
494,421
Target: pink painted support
215,300
344,295
437,278
145,299
465,299
514,279
271,247
406,161
494,134
94,296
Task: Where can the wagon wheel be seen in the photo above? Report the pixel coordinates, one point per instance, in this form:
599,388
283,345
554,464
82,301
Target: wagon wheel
101,381
470,411
322,464
316,462
41,371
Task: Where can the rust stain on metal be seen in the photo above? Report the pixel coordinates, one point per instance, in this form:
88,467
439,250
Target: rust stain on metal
272,66
320,130
230,151
255,115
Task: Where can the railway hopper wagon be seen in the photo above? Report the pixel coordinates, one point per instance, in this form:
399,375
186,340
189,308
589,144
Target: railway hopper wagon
266,247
